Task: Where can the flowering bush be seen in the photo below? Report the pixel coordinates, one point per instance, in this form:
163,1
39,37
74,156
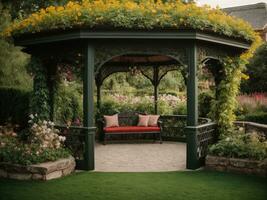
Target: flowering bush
167,104
43,144
44,134
252,103
241,145
144,14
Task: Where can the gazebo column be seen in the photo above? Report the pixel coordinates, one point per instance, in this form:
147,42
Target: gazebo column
155,84
88,107
98,95
192,110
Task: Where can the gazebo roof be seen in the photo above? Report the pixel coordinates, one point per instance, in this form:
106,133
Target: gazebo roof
174,19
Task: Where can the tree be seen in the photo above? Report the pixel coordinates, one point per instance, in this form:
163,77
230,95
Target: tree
257,71
12,61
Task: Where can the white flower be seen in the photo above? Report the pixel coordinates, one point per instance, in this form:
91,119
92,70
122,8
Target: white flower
31,116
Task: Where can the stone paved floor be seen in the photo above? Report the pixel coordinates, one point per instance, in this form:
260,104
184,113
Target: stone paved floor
147,157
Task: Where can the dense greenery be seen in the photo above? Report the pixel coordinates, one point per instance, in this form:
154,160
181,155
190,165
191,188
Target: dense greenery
12,61
144,14
257,71
258,117
14,105
198,185
40,143
241,145
41,100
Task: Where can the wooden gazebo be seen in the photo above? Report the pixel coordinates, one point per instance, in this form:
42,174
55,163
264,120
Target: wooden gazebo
157,51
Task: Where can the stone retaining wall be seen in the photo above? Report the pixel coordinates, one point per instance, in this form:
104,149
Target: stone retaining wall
243,166
44,171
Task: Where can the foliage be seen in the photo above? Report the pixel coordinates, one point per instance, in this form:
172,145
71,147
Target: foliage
241,145
257,117
40,100
167,104
21,8
68,103
144,14
43,144
205,101
14,106
252,103
257,72
12,61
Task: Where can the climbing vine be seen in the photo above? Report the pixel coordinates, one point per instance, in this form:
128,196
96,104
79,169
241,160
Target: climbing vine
40,101
225,105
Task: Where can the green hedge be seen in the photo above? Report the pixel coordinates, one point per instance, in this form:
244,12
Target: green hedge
14,105
260,117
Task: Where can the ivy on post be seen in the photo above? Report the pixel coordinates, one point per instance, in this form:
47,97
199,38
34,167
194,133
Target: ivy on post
88,107
40,101
192,110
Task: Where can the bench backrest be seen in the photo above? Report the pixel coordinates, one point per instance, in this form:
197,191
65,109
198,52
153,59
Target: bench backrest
128,118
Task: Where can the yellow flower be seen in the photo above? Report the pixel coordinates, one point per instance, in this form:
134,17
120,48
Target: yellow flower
244,76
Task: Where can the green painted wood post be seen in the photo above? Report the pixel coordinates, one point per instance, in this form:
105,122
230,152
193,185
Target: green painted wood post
155,84
98,96
88,107
192,110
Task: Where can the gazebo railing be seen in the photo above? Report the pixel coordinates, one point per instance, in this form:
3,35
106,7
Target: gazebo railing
199,138
252,126
206,136
173,127
76,138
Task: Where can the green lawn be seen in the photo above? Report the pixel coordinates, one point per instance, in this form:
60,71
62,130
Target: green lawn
126,186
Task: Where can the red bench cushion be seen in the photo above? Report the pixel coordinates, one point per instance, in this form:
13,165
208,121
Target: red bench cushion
122,129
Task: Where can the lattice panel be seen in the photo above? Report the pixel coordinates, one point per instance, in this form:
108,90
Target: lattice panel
74,141
206,136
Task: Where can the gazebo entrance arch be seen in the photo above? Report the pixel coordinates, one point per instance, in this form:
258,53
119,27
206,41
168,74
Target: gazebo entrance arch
97,47
151,63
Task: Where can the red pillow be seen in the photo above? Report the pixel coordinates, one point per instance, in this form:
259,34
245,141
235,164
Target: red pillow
143,120
153,120
111,120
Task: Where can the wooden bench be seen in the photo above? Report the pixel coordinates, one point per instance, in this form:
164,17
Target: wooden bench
128,126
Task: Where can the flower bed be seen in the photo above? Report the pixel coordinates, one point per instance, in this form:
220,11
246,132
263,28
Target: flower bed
243,152
35,153
243,166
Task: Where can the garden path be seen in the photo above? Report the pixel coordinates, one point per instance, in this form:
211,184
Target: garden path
145,157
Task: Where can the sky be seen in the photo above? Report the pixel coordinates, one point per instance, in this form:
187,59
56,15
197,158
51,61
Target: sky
228,3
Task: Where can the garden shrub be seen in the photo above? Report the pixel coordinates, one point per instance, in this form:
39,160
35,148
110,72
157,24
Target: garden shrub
205,101
68,103
258,117
257,72
14,106
241,145
42,144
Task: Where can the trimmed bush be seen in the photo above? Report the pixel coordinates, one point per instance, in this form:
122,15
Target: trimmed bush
260,117
14,106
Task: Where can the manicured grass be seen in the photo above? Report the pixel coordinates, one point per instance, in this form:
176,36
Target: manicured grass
126,186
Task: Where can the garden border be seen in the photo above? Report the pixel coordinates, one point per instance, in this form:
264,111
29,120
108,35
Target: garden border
237,165
43,171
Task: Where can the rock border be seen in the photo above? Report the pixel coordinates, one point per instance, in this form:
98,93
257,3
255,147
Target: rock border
43,171
236,165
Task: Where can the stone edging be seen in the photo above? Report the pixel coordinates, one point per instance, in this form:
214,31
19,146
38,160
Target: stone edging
44,171
242,166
